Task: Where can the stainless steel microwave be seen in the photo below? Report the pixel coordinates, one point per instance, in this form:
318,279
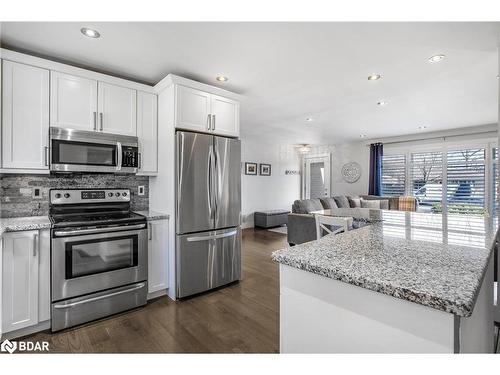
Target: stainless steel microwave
88,151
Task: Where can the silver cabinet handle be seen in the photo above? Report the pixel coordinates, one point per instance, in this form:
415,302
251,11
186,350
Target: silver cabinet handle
213,122
119,156
35,244
209,125
214,237
46,155
150,232
95,121
101,118
93,299
78,232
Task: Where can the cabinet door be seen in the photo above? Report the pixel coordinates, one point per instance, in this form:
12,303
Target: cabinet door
117,109
158,255
192,109
226,116
147,132
20,280
73,102
25,118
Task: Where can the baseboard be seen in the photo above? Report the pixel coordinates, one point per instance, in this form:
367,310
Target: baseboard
26,331
157,294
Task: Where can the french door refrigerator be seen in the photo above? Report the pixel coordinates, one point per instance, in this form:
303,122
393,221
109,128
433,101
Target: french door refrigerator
208,206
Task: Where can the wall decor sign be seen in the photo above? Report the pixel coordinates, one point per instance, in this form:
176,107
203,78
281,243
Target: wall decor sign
292,172
251,168
351,172
265,169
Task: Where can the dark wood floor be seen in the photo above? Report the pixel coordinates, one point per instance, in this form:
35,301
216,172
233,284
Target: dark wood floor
241,318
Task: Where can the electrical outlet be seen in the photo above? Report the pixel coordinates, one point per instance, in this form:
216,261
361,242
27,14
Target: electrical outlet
36,193
141,190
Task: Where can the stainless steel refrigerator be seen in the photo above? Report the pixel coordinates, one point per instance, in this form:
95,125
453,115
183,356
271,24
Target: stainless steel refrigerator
208,207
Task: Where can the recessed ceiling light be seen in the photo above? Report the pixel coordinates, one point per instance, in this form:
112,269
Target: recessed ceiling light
91,33
422,127
436,58
222,78
309,119
362,136
374,77
382,103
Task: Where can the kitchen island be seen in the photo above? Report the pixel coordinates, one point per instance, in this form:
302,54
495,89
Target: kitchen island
412,282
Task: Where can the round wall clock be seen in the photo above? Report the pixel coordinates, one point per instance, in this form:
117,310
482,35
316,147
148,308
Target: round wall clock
351,172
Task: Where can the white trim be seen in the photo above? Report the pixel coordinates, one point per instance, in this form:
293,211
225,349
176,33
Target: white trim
43,326
24,171
173,79
73,70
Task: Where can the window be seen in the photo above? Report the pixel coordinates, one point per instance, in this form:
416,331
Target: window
393,174
427,179
465,191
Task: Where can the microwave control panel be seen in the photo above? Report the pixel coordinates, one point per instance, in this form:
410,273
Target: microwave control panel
130,157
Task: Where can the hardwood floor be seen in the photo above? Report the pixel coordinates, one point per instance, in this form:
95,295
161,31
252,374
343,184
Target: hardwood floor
240,318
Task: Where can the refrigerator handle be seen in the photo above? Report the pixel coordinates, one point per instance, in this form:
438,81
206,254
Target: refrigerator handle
209,181
218,182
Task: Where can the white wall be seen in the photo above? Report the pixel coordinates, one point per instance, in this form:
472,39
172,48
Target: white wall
277,191
342,154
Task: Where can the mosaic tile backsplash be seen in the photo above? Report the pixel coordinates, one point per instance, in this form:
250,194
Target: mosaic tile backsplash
16,190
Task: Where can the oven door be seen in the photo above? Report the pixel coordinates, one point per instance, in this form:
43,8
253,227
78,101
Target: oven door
90,260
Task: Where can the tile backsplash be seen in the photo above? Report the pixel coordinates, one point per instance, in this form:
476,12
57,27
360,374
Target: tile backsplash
16,190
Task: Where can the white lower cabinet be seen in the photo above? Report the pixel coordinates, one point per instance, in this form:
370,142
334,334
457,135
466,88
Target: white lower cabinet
157,256
25,279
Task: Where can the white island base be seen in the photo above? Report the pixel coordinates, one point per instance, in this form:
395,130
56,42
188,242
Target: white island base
322,315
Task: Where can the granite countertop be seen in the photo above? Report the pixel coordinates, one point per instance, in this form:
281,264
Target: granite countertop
430,259
153,215
15,224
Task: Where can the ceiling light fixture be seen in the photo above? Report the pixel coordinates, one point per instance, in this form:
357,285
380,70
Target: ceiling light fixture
436,58
222,78
304,149
309,119
374,77
91,33
422,127
382,103
362,136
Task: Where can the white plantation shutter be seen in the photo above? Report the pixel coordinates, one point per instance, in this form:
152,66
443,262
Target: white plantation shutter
427,177
466,180
393,174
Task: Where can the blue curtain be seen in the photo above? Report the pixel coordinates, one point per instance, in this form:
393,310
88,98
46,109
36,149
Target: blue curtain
375,184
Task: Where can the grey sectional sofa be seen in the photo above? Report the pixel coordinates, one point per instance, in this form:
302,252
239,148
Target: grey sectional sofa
301,223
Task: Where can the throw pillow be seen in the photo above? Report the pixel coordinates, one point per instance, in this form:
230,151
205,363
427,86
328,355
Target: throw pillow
328,203
384,204
342,201
354,202
370,203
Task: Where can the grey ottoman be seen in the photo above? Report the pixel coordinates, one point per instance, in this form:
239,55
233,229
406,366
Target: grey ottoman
271,218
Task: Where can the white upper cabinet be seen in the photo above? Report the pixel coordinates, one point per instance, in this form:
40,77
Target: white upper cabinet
117,109
225,116
192,109
205,112
73,102
20,280
147,132
25,117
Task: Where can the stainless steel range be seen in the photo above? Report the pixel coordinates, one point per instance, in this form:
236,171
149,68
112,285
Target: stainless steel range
98,255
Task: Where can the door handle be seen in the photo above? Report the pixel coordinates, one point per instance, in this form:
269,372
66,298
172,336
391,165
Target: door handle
101,118
118,156
78,232
95,121
35,244
46,155
209,125
213,237
213,122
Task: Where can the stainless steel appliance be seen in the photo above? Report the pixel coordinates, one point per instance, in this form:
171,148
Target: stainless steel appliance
208,194
98,255
87,151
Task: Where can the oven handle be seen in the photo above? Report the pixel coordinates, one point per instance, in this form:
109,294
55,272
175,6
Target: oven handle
119,156
77,232
93,299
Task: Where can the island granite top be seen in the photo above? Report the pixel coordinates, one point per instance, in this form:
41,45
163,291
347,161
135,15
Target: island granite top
430,259
153,215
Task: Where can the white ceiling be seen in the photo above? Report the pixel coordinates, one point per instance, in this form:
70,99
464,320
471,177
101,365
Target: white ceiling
289,71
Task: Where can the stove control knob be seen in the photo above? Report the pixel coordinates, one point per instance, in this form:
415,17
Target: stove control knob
124,193
117,194
58,195
66,195
110,194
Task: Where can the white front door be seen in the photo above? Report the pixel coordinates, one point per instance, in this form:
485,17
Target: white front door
317,177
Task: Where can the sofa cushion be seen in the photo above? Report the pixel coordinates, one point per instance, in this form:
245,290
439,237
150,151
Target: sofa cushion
328,203
305,206
370,203
342,201
354,202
